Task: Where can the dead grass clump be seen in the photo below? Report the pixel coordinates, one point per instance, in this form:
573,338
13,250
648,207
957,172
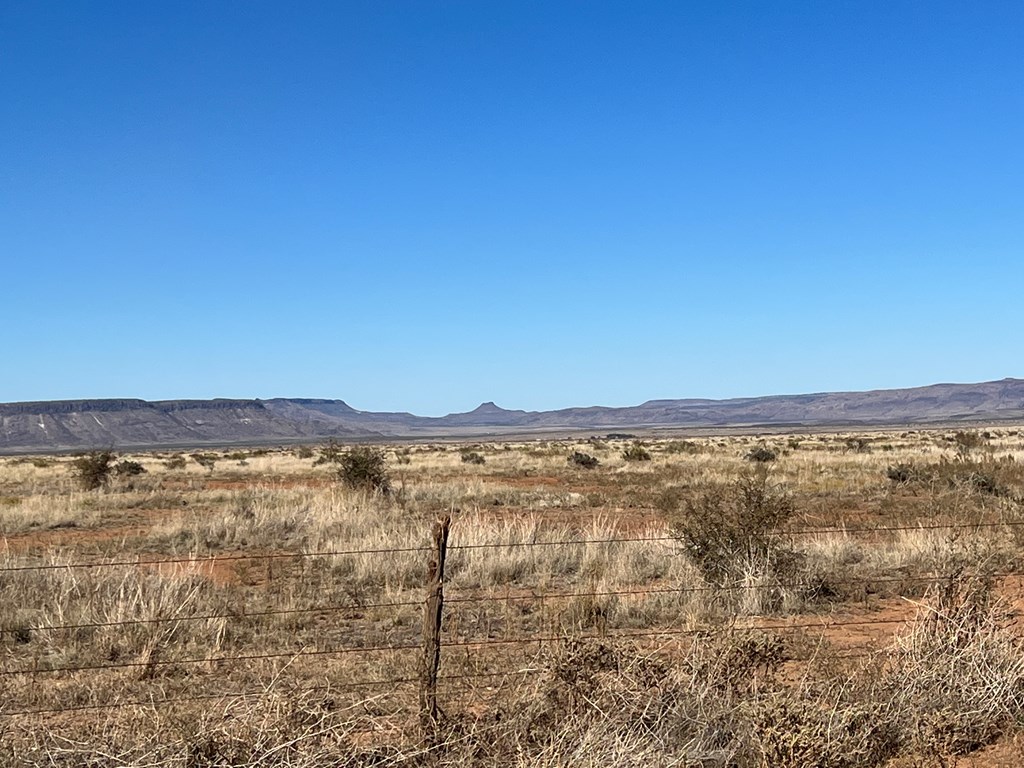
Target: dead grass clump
65,617
738,663
723,702
603,704
792,732
957,675
278,727
987,475
43,512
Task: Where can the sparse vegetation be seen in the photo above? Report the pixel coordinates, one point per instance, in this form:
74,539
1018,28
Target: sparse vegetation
128,468
636,452
205,460
966,443
366,467
473,457
683,611
176,462
901,473
728,530
582,460
331,453
93,469
761,454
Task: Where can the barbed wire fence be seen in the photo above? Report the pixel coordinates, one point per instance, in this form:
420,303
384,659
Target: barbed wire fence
432,646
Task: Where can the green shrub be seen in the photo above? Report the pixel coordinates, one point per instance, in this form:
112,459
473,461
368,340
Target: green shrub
331,453
761,454
364,467
582,460
129,469
636,452
205,460
93,469
472,457
901,473
966,443
858,444
175,462
728,529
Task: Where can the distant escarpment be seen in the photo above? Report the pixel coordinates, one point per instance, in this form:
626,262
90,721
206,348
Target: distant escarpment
78,424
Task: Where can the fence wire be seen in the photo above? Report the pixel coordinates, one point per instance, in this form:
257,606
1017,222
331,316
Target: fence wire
823,623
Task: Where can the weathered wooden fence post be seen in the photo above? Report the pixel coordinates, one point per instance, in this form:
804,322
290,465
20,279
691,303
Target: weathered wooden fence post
432,627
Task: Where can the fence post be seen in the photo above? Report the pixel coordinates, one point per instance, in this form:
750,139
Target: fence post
432,626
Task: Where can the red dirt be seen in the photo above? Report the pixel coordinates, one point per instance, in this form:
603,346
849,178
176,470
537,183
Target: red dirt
528,481
132,524
277,481
224,568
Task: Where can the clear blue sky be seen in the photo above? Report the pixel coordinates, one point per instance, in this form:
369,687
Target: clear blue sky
423,205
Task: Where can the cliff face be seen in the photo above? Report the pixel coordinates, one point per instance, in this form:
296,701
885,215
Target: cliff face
126,423
77,424
71,406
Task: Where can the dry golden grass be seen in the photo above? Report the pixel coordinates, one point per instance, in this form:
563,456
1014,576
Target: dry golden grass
577,630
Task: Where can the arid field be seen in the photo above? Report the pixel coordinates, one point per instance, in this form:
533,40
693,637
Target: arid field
845,599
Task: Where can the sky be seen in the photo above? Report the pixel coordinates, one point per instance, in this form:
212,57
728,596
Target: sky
416,205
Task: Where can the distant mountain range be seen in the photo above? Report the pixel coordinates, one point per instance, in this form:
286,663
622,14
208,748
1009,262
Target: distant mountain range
78,424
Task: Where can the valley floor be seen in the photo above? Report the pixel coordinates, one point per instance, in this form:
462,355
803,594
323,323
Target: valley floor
843,599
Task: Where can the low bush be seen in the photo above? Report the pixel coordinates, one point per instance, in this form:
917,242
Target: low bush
129,469
987,476
728,530
93,469
858,444
901,473
331,453
176,462
364,467
966,442
636,452
472,457
958,671
205,460
761,454
582,460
